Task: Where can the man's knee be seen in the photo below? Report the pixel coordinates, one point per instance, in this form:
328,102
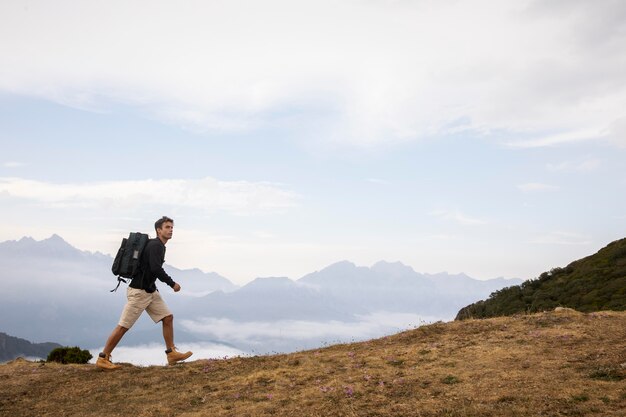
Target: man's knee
168,319
121,329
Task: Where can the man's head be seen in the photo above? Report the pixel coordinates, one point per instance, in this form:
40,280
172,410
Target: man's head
164,228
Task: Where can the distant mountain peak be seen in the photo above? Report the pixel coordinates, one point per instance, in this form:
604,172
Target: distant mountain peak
55,239
342,264
392,267
269,284
55,245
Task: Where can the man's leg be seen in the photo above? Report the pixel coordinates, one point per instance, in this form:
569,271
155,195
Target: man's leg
158,311
173,355
104,358
137,302
168,331
114,339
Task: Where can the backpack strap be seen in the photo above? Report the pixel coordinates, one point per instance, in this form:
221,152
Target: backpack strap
119,281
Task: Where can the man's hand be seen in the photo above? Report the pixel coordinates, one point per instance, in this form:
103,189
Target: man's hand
176,287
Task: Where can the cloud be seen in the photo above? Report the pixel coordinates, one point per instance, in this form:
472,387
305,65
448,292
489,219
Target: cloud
239,197
378,181
256,333
152,354
457,217
559,139
12,164
569,166
379,71
617,134
532,187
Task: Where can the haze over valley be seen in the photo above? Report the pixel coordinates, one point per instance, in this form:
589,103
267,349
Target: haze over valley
58,293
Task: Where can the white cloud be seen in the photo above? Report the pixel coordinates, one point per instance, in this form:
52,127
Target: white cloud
239,197
255,332
559,139
458,217
153,353
570,166
536,187
617,133
378,181
385,71
12,164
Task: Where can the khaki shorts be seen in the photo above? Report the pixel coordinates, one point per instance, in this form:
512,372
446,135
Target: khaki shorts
138,301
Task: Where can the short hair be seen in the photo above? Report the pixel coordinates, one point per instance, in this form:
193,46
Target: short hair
159,223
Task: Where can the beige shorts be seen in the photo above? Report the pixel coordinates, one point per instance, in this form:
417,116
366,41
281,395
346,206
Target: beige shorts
138,301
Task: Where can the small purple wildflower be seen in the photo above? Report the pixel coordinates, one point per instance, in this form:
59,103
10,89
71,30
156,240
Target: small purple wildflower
349,390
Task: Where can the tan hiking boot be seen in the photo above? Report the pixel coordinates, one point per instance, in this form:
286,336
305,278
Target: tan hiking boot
174,356
104,362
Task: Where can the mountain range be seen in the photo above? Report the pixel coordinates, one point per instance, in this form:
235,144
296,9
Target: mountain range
54,291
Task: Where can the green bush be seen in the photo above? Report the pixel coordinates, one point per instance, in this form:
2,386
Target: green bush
69,355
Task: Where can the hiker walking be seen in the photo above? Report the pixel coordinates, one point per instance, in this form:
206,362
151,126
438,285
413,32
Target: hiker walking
142,294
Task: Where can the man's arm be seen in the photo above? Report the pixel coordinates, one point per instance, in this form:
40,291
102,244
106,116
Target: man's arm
155,263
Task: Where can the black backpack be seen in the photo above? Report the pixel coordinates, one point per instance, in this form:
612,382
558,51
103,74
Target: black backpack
126,261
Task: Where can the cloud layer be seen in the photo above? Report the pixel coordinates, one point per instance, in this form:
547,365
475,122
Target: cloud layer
257,333
153,353
238,197
531,73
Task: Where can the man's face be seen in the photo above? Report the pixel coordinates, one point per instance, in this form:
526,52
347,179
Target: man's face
166,230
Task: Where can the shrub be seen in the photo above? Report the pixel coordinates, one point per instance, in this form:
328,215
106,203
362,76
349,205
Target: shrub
450,380
69,355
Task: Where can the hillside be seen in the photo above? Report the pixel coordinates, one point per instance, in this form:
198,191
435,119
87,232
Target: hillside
594,283
13,347
552,364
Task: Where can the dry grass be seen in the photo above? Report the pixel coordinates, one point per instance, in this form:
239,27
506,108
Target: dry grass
549,364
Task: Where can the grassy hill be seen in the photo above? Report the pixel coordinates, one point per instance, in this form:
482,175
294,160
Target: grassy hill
550,364
13,347
594,283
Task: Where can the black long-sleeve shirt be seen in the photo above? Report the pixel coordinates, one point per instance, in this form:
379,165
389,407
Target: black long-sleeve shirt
151,267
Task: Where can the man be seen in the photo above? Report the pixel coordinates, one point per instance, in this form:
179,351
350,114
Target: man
142,294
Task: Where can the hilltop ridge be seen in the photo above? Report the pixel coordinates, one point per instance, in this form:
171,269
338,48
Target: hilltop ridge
552,363
596,282
11,347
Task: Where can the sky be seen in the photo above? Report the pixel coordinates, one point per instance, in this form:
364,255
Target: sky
283,136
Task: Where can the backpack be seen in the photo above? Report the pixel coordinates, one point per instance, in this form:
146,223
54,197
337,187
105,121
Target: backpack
126,261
